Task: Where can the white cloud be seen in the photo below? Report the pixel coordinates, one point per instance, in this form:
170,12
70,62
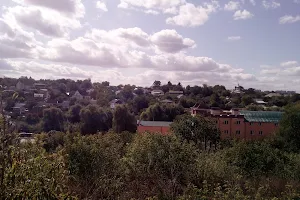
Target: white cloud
242,15
101,5
289,19
270,4
297,1
152,12
289,63
41,20
191,16
170,41
69,7
232,5
253,2
234,38
172,11
162,5
15,42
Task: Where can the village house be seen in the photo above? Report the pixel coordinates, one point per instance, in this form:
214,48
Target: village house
114,103
77,95
157,92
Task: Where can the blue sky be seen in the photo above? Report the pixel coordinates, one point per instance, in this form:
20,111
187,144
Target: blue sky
251,42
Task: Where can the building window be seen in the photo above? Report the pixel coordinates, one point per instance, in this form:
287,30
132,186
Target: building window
238,132
226,131
251,123
252,132
238,122
276,124
226,122
260,132
260,123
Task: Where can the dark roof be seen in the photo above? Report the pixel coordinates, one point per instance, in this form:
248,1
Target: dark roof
154,123
262,116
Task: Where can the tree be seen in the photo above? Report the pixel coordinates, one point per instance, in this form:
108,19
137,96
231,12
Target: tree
246,100
140,103
159,112
53,119
95,119
74,113
159,165
289,132
123,120
197,129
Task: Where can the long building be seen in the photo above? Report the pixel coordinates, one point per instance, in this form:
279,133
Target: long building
242,124
239,124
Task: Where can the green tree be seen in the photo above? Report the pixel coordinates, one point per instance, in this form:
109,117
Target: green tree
53,119
289,133
123,120
74,113
158,166
140,103
94,162
202,131
95,119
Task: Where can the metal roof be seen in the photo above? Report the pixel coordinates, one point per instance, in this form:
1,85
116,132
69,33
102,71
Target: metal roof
262,116
154,123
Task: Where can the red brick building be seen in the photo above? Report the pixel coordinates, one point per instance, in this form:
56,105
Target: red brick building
247,125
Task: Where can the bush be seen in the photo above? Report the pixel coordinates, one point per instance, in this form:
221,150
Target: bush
156,164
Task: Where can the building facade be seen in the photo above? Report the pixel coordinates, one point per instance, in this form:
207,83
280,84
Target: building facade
247,125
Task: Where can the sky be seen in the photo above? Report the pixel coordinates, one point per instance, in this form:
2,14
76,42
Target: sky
254,43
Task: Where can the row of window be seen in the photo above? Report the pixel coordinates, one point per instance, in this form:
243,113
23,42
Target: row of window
238,132
239,122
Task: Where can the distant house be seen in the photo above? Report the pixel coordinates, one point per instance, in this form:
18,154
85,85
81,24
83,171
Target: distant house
157,92
260,102
172,92
39,86
77,95
166,101
65,104
153,127
273,94
114,103
93,101
20,86
238,90
88,98
38,96
19,108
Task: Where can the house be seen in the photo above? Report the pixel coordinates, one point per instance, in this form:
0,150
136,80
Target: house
77,95
39,86
260,102
114,103
157,92
166,101
20,86
238,90
273,94
65,104
38,96
153,127
242,124
19,108
176,93
93,101
88,98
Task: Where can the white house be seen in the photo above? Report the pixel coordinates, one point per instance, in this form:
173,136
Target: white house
77,95
273,94
157,92
20,86
113,104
